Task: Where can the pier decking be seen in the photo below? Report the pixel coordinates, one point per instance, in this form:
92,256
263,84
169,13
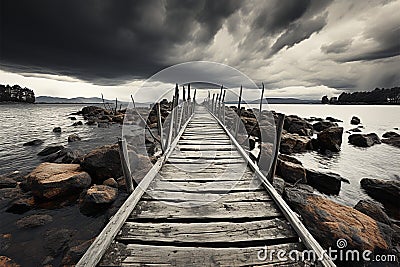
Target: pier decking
202,206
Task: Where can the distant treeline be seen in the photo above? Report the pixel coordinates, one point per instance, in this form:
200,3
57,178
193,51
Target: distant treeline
377,96
16,93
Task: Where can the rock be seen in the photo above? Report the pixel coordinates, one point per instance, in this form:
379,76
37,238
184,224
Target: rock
57,130
325,182
294,143
284,157
355,130
390,134
5,242
6,182
66,155
355,120
51,180
21,205
72,118
50,150
7,262
56,240
291,172
296,125
93,110
329,221
330,139
279,185
103,162
373,210
75,253
322,125
34,221
111,182
103,124
393,141
364,140
97,198
331,119
35,142
78,123
74,138
91,122
382,190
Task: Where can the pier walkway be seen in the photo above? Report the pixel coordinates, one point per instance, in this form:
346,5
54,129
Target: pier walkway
203,204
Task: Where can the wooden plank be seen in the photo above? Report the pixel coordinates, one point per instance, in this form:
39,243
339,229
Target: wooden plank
195,210
179,196
299,227
213,161
270,230
99,246
150,255
212,186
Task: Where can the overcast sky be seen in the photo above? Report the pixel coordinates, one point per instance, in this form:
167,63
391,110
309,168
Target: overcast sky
298,48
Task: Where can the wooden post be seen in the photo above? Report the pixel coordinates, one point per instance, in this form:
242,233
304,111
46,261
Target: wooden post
223,107
261,99
175,110
102,98
216,105
171,124
116,106
159,126
279,126
238,120
212,104
125,167
194,100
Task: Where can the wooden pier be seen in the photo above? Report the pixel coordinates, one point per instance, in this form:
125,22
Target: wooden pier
204,203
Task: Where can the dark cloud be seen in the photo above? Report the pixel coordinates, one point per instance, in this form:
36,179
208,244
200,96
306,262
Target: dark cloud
336,47
103,41
298,32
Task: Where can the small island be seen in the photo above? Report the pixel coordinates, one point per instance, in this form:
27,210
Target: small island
16,93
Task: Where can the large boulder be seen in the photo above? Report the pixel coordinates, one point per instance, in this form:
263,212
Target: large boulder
7,262
382,190
325,182
56,240
322,125
364,140
51,180
74,138
6,182
329,221
102,163
373,210
393,141
97,198
290,171
355,120
330,139
294,143
296,125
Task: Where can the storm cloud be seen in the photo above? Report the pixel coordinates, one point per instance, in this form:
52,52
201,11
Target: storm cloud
282,43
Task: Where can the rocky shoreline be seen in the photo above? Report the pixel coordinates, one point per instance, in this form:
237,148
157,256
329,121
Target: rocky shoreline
93,183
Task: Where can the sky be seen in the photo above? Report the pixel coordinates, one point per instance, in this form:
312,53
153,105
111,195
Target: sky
297,48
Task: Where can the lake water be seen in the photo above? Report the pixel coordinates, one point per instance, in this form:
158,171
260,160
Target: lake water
21,123
379,161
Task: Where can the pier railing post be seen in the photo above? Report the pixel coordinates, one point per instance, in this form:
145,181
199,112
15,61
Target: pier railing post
279,127
125,168
238,120
160,126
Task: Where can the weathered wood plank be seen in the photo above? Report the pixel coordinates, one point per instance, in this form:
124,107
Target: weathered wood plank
145,255
213,232
195,210
211,186
213,161
179,196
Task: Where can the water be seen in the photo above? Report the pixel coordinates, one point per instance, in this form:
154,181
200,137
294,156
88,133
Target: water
379,161
21,123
